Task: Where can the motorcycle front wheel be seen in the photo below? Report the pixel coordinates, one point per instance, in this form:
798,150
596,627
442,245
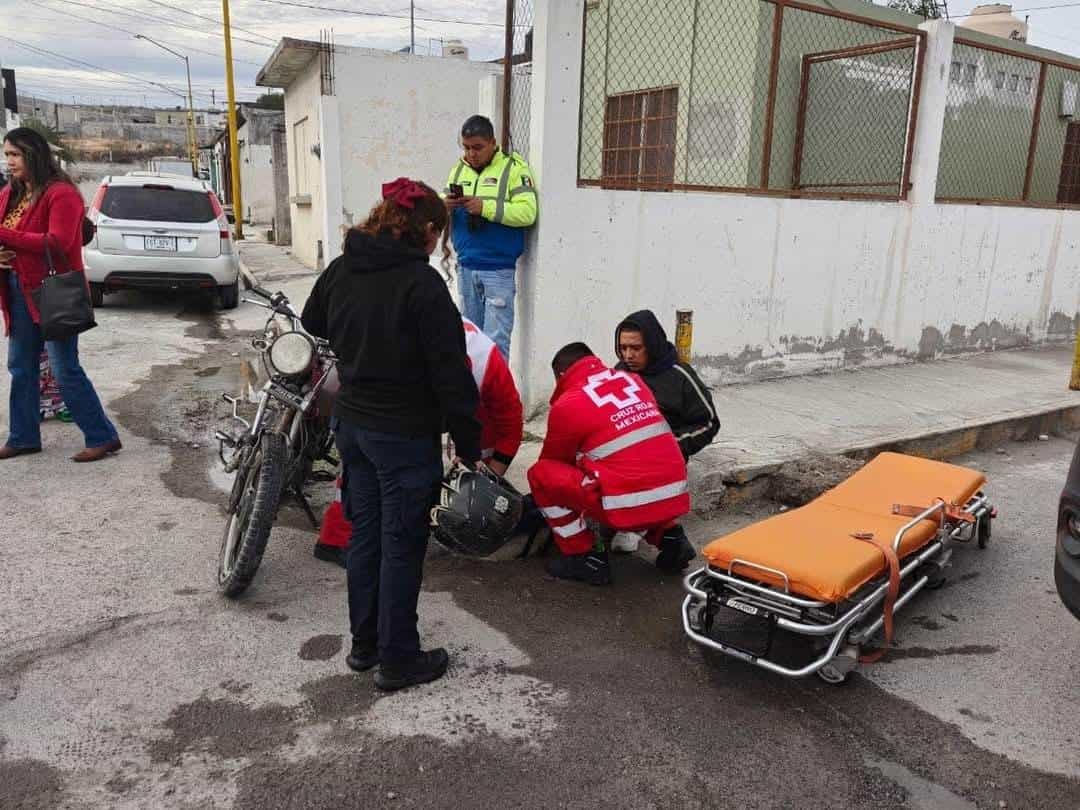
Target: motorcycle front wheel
250,520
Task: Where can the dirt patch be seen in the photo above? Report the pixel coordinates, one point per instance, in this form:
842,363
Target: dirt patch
29,784
320,648
277,617
226,728
799,482
338,696
121,784
186,591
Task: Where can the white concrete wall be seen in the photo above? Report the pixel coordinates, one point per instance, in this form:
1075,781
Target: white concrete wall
256,181
777,286
303,111
398,115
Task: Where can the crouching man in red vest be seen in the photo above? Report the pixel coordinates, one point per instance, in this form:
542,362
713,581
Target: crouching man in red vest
609,456
501,418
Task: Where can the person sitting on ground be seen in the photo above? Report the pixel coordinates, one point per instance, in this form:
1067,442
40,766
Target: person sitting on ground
502,423
643,348
609,457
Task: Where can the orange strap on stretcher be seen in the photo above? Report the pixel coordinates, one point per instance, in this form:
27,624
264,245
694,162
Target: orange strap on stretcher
951,512
891,593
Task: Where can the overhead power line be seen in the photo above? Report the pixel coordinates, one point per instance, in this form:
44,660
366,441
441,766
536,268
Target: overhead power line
100,5
383,14
213,20
134,33
90,65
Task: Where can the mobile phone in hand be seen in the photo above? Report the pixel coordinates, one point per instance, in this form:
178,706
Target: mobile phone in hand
456,191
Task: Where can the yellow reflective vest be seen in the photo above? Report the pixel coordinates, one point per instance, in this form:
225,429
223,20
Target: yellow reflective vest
508,190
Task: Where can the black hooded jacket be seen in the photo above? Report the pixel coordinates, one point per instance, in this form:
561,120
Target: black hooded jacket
683,398
399,340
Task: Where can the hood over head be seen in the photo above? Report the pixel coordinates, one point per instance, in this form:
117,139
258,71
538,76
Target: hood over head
662,354
372,254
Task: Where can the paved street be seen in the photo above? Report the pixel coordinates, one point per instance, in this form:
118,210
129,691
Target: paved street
127,682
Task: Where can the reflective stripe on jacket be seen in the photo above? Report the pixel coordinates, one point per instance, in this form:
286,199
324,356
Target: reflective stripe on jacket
507,187
607,423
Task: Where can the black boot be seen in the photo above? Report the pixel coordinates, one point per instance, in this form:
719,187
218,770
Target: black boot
330,554
675,551
424,668
362,657
592,567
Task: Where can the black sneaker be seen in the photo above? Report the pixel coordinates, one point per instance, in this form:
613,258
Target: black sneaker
592,567
675,552
362,657
330,554
426,667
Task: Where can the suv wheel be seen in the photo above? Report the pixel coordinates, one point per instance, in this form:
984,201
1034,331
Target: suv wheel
230,295
97,295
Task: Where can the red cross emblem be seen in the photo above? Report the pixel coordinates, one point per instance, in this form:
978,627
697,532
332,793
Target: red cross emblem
613,388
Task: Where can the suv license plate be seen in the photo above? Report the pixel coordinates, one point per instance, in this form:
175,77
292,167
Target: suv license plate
160,243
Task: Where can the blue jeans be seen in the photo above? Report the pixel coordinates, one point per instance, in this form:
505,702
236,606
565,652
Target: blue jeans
487,297
24,363
389,484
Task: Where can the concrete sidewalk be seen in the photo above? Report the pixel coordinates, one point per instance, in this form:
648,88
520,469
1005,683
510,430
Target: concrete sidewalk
263,263
938,409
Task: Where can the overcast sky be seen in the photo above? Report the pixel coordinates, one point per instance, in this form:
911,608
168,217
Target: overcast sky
100,33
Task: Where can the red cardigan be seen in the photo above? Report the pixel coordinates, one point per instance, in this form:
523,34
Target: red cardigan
57,216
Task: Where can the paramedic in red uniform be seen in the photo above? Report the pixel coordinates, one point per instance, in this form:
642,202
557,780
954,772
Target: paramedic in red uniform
502,423
611,457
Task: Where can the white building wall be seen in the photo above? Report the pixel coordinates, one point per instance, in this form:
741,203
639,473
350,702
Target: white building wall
777,286
256,181
302,126
398,115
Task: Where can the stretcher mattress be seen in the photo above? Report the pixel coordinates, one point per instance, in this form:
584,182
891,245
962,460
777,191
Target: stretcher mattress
815,545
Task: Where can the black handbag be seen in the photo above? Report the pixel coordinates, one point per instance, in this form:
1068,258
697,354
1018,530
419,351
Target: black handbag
63,302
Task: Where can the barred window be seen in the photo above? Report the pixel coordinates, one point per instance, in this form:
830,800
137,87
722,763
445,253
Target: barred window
639,139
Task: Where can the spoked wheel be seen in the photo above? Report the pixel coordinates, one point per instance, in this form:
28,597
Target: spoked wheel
256,495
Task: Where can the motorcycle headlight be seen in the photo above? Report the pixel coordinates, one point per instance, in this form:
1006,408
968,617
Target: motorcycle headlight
291,354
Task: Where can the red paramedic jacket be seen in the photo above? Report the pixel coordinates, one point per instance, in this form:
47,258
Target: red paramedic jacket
607,423
500,413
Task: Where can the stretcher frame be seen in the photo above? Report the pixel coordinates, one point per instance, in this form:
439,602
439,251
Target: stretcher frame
846,625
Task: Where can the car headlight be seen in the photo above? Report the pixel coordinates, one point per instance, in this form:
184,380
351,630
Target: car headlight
291,354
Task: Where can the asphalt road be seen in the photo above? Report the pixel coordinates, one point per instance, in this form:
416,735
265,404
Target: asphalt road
127,682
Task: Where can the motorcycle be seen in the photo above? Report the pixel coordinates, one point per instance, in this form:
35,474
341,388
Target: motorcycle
273,456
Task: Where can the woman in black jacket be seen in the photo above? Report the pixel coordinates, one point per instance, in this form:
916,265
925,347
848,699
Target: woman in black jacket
401,349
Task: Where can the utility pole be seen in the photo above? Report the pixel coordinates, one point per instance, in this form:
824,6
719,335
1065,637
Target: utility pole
234,149
192,139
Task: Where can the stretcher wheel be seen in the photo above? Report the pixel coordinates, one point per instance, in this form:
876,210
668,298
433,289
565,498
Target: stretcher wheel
984,531
837,670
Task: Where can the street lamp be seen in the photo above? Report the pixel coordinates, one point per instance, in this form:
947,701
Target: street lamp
191,137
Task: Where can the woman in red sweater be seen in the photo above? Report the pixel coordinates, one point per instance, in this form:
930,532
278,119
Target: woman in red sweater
41,205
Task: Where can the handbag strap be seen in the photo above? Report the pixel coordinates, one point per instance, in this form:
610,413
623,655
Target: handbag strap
49,260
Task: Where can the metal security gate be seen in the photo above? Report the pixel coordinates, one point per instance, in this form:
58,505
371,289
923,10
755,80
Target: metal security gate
856,119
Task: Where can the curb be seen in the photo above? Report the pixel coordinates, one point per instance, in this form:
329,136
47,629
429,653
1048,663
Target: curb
249,278
725,488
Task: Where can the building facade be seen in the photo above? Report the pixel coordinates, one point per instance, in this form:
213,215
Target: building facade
357,117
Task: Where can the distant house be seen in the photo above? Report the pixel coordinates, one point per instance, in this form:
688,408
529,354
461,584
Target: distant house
396,114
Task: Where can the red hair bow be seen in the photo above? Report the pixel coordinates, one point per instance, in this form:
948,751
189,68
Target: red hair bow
404,192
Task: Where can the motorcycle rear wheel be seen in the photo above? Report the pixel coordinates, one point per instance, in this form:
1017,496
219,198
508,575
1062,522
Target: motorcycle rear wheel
247,530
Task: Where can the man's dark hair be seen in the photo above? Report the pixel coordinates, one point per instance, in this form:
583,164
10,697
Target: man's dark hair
568,355
478,126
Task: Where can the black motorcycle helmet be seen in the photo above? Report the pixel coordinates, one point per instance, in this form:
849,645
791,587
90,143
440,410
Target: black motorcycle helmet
477,512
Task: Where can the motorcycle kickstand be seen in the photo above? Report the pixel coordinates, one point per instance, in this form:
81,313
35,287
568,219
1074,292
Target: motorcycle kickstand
303,501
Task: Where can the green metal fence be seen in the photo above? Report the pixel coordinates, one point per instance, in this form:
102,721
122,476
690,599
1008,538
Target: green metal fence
766,96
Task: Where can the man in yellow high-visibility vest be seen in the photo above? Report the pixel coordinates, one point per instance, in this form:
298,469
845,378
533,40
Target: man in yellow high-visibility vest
492,200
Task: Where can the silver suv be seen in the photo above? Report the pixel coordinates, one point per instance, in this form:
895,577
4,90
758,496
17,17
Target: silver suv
160,231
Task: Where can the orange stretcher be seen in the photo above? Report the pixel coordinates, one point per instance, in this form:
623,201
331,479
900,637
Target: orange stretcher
834,571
